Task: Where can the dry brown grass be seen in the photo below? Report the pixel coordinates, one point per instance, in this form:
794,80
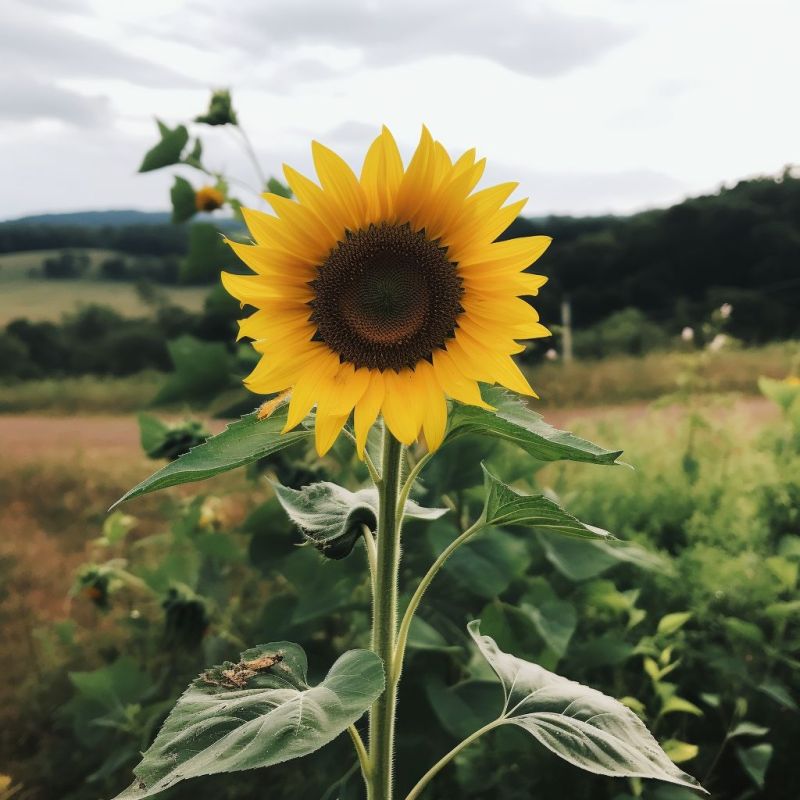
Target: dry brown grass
625,379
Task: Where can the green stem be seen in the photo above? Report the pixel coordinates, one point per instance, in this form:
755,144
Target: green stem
361,751
248,146
411,480
442,762
372,556
405,625
384,620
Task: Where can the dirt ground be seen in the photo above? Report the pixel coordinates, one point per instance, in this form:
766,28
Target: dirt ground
27,438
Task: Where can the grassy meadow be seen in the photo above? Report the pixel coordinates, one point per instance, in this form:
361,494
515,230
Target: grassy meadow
31,296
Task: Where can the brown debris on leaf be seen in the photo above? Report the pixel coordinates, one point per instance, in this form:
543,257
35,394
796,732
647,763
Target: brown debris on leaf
237,675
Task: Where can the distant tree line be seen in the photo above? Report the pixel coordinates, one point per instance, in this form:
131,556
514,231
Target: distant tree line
153,240
741,246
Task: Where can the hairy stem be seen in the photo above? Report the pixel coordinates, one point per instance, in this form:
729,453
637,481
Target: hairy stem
445,760
405,625
384,620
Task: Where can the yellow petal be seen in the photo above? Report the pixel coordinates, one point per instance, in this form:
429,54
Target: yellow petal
381,176
304,222
513,255
342,389
312,196
454,382
327,428
434,422
401,411
367,410
273,263
255,289
306,389
340,182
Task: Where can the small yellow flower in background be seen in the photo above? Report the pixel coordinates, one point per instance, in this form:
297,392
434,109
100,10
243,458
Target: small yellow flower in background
207,198
792,380
387,293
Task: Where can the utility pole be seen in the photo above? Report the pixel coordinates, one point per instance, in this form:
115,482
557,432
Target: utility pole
566,330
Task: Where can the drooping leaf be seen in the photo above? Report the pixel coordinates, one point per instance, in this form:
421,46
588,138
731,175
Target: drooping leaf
242,442
182,195
168,150
755,761
330,516
258,712
506,506
513,421
581,560
577,723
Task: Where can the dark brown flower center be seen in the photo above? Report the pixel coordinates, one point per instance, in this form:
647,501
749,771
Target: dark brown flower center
386,297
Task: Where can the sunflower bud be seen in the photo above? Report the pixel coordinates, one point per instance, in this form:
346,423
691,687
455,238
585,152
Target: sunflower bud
207,198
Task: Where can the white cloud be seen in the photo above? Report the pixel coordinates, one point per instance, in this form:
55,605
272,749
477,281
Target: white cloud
595,105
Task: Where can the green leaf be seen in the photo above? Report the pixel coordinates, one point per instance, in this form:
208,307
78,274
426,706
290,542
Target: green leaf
151,432
577,723
194,159
513,421
485,565
330,516
276,187
506,506
207,254
183,200
202,370
423,636
748,729
778,692
673,622
678,704
220,109
555,621
258,712
755,761
168,150
581,560
679,751
242,442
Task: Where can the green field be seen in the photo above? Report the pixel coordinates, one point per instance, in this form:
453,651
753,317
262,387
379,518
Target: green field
37,298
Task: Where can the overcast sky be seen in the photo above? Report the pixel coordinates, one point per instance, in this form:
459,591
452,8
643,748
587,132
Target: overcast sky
593,105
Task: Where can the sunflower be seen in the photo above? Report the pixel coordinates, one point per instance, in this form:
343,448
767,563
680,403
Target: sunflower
387,293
